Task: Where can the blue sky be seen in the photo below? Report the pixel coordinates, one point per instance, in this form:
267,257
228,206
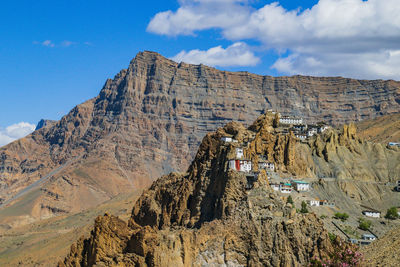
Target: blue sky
57,54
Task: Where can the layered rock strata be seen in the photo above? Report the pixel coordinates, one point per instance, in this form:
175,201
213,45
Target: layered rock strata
149,120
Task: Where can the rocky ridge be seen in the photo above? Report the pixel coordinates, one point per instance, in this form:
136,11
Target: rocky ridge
205,217
149,120
210,215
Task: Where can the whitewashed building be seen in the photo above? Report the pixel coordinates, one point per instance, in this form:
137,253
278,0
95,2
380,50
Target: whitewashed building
241,165
301,136
300,127
275,187
226,139
394,144
313,202
239,153
285,188
290,120
311,132
264,165
323,128
327,203
368,237
245,165
372,213
301,186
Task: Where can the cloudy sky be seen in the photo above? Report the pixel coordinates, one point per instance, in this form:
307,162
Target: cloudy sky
56,54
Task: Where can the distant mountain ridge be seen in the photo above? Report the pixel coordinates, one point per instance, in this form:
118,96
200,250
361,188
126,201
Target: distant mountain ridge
149,120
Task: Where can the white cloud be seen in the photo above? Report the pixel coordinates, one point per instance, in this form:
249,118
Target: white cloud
48,43
15,131
199,15
335,37
237,54
383,65
67,43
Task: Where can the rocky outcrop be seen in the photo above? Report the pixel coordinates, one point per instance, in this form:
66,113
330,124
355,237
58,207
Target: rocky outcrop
207,217
150,118
213,215
44,123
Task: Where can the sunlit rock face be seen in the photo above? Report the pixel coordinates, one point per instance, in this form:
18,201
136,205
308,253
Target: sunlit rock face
149,120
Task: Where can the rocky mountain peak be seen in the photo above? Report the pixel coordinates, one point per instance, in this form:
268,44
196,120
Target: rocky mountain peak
150,118
45,123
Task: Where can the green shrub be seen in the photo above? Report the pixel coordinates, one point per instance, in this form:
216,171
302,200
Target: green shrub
392,213
342,216
304,207
290,200
364,224
323,216
332,237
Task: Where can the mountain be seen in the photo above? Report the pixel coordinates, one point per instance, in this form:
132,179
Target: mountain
215,215
149,120
381,129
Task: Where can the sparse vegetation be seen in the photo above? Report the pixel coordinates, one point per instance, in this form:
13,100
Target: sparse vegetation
341,216
364,224
323,216
392,214
304,207
351,232
343,255
290,200
332,237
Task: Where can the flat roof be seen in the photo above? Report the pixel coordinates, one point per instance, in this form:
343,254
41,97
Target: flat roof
368,235
300,182
373,211
369,209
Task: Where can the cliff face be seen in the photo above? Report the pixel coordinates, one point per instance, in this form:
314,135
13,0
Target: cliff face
210,215
149,120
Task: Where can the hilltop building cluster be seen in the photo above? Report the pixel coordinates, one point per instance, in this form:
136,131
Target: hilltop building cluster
300,129
242,164
245,165
286,124
240,160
